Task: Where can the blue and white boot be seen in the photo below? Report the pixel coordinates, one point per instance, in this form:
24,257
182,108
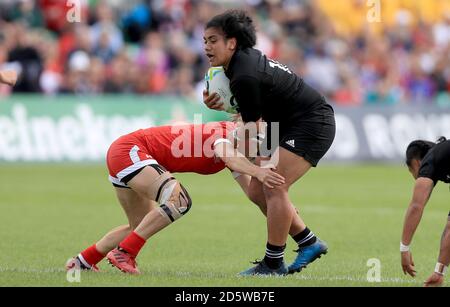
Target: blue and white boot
261,268
307,254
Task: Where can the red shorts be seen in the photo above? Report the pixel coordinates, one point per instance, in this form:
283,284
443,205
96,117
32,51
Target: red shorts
125,156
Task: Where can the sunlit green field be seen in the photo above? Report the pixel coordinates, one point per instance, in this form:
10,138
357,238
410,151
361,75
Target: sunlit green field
49,213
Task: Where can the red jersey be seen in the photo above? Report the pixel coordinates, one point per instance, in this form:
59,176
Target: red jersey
186,148
182,148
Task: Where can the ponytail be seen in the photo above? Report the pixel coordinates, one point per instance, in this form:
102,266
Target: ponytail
441,139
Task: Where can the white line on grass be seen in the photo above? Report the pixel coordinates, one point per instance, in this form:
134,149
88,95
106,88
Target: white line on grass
184,274
356,279
31,270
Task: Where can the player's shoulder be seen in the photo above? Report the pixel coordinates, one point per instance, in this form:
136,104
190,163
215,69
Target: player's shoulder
249,54
442,147
436,154
427,168
244,62
440,153
435,161
428,160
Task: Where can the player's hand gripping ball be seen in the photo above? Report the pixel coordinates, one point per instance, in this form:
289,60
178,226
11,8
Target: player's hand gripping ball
217,82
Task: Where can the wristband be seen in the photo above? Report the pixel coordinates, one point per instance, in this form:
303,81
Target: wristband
440,269
404,248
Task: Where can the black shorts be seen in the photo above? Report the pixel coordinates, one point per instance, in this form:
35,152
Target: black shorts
308,136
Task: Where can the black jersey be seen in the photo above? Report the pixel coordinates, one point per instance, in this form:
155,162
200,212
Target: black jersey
436,163
265,88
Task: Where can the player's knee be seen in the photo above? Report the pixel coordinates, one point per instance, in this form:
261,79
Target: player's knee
276,192
177,204
186,198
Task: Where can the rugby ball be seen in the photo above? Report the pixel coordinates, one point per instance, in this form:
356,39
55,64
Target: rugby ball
217,82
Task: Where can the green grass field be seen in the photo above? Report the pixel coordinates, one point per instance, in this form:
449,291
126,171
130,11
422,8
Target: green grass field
48,213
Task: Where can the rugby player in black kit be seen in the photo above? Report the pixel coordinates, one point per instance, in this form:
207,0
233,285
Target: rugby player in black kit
267,90
428,163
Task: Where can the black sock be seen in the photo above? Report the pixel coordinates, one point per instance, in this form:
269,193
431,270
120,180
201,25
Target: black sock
305,238
274,255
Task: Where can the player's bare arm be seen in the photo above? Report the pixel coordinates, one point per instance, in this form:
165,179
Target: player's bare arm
8,77
421,194
239,163
436,279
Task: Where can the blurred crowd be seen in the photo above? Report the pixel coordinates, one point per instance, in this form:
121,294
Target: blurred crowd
156,47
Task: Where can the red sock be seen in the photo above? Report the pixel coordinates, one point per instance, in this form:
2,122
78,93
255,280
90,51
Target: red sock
132,244
91,255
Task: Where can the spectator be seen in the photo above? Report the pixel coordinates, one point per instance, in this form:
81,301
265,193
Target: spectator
156,47
26,12
28,59
104,33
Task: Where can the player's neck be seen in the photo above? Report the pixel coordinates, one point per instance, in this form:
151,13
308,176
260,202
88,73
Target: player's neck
227,64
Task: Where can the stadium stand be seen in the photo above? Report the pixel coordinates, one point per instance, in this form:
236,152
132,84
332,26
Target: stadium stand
156,47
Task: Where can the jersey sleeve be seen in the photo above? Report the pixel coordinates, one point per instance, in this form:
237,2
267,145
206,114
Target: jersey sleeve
248,96
427,168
